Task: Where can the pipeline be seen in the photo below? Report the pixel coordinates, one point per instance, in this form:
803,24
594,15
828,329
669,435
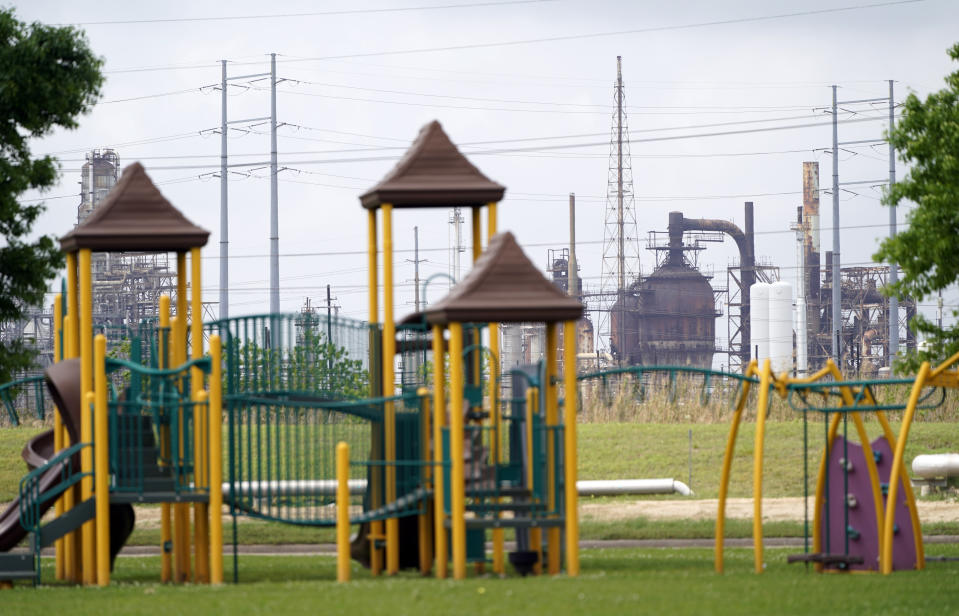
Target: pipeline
327,487
747,256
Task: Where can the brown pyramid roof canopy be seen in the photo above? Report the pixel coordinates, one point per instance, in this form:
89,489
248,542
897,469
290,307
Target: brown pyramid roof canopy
135,217
433,173
504,286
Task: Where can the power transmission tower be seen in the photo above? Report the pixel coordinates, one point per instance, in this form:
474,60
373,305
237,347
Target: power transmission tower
620,266
224,199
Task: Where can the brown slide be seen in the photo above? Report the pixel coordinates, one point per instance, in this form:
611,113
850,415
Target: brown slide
63,382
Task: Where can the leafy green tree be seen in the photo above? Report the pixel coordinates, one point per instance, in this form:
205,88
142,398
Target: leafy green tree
48,77
927,138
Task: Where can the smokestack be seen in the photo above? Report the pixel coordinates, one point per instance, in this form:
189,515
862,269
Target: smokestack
747,264
572,267
811,254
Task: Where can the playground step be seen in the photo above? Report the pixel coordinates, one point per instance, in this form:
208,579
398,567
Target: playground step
66,523
19,566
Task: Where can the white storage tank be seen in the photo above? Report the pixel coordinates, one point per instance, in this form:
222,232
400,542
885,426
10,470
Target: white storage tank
781,326
759,321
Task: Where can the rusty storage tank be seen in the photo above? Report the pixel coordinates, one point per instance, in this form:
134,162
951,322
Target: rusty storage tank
669,317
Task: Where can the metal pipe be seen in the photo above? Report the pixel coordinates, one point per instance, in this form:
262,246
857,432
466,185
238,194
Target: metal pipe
327,487
930,466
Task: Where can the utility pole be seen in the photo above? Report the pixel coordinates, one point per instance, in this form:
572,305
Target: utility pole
224,205
836,281
893,266
416,268
274,209
329,331
224,202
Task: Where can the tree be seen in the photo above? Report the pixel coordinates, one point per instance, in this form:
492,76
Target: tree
48,77
927,138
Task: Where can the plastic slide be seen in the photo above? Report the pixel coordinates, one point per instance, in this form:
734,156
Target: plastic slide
63,382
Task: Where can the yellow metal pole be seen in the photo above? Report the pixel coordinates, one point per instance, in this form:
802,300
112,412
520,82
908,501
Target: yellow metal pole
201,511
910,496
764,379
181,520
457,472
423,519
552,420
727,465
71,541
439,421
58,428
163,361
216,461
88,547
72,337
569,445
499,565
342,512
87,531
102,467
389,411
536,533
376,527
896,475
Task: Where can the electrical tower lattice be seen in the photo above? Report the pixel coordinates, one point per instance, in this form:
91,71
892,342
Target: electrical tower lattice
620,267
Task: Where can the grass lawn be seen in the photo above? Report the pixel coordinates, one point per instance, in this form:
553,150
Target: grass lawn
613,581
641,450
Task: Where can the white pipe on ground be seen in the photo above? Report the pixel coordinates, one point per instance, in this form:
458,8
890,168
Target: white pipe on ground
632,486
930,466
264,489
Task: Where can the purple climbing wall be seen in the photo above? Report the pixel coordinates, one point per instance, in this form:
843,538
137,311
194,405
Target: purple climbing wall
857,509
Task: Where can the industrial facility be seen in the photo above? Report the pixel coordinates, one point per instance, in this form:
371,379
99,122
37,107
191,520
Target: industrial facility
126,286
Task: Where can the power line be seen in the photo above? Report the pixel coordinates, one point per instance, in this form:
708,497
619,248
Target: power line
553,39
688,109
299,15
538,148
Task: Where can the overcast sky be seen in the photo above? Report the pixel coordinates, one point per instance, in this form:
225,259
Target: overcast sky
359,82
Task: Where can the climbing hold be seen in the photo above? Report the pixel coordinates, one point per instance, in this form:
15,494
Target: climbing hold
877,456
895,529
885,488
847,464
852,533
851,501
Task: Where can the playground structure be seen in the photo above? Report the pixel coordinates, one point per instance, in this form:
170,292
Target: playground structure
150,426
318,435
863,520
